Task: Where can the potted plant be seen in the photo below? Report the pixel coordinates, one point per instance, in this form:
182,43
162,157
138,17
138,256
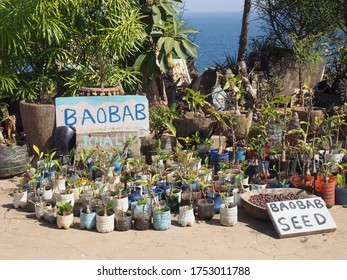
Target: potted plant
88,215
205,206
108,34
41,207
120,199
50,215
123,221
161,217
194,116
65,217
41,55
325,182
85,161
228,214
163,132
142,205
340,190
105,218
240,184
173,197
304,152
241,119
20,196
186,213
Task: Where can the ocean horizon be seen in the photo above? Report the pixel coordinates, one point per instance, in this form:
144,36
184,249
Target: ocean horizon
218,36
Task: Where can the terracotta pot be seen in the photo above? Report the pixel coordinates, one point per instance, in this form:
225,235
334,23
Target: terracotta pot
321,178
302,182
326,191
98,91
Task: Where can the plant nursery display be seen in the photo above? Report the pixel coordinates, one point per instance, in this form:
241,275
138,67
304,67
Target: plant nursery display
210,148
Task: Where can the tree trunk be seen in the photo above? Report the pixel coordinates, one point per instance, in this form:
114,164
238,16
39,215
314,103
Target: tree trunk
244,31
154,89
242,52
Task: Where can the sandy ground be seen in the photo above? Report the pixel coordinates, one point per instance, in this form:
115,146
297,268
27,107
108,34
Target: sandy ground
23,237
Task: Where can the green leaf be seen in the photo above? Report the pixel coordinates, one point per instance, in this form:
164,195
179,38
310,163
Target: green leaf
156,33
227,85
169,44
139,61
178,50
190,47
168,8
189,31
156,14
175,26
161,41
172,128
37,151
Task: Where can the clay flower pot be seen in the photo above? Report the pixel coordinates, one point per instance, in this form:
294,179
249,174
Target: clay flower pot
302,182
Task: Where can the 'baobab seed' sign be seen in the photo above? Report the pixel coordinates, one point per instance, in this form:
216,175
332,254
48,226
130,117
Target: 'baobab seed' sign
300,217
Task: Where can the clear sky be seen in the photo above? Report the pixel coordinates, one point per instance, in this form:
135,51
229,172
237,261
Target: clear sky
214,5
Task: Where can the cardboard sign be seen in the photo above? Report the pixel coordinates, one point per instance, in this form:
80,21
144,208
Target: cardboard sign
107,141
90,114
300,217
181,73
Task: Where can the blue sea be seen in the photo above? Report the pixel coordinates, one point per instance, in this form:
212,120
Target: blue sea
218,35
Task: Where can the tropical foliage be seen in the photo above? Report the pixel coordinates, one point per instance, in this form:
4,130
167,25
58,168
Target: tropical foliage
48,45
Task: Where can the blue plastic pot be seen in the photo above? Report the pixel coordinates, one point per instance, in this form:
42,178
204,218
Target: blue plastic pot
134,195
341,196
216,158
159,192
164,188
240,155
162,218
217,201
87,221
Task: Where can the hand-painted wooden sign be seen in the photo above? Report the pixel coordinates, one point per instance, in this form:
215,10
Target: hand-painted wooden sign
300,217
108,141
104,113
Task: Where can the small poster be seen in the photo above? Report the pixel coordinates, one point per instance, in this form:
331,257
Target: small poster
181,74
